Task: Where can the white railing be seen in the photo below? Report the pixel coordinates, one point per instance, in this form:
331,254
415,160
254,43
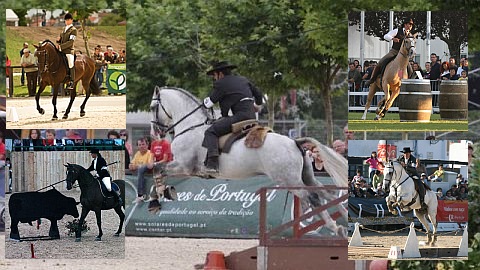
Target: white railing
357,99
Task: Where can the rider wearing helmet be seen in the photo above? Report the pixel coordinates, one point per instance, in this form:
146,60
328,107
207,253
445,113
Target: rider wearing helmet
234,93
410,163
100,166
397,35
65,40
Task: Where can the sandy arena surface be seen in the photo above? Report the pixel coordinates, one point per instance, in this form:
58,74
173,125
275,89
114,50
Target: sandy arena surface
102,112
377,246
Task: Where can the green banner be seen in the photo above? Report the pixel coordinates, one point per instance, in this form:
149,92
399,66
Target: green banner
116,78
211,208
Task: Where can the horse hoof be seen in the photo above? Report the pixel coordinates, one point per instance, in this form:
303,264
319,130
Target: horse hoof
82,114
78,239
65,116
98,238
54,118
41,111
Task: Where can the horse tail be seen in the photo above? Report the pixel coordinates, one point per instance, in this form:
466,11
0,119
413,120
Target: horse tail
94,88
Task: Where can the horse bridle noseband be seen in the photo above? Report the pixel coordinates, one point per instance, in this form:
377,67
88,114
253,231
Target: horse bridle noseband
164,128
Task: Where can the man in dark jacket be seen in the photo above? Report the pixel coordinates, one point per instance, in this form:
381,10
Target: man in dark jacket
397,35
234,93
100,166
65,40
410,163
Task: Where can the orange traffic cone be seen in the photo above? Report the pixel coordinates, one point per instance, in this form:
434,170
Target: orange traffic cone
215,261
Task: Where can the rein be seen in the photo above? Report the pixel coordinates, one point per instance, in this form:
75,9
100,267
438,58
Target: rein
52,185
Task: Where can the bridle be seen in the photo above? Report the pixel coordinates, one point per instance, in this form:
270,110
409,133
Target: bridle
46,64
404,41
158,125
392,173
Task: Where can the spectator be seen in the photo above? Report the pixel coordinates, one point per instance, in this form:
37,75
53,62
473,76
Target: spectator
122,57
463,76
113,134
437,176
373,162
465,65
317,161
444,69
426,73
34,141
462,193
439,194
339,147
72,134
22,78
142,162
459,180
377,179
98,56
161,151
424,179
349,135
110,56
30,65
435,67
449,196
356,63
416,67
357,178
49,137
453,74
380,192
128,145
451,63
360,190
453,190
460,68
354,78
8,166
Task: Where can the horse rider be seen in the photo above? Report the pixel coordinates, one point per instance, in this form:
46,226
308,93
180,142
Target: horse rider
65,40
397,35
233,92
99,165
410,163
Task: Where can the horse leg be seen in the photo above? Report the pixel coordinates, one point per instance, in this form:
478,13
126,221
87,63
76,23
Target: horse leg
54,102
422,216
371,94
37,97
87,95
314,201
98,215
382,110
432,215
53,232
393,96
121,215
391,209
78,231
73,94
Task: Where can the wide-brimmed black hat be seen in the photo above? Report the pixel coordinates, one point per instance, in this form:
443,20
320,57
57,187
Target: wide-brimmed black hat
222,65
406,150
68,16
408,20
94,151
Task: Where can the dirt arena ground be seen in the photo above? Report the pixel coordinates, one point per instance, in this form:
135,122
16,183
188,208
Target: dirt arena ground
377,246
102,112
113,252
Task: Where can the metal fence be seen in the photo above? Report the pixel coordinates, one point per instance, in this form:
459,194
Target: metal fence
34,170
357,99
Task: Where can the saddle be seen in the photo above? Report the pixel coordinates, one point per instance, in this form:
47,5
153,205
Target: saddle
249,128
424,185
105,191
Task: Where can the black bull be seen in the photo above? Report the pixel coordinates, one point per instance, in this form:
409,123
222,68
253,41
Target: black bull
30,206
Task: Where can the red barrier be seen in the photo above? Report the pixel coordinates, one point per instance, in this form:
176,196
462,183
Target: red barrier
452,211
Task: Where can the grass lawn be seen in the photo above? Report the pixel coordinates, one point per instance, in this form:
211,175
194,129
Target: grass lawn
392,123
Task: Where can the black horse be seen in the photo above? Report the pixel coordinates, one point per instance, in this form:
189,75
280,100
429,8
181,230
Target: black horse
92,198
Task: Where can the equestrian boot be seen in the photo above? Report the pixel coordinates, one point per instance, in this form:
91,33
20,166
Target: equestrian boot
72,78
211,166
421,193
374,76
119,199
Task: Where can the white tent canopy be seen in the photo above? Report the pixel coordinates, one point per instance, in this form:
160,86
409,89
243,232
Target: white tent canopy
12,18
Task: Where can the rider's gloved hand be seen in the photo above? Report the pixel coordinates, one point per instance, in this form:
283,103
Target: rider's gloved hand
207,103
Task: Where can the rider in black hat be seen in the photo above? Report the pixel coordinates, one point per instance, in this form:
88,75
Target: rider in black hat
100,166
65,40
397,35
410,163
234,93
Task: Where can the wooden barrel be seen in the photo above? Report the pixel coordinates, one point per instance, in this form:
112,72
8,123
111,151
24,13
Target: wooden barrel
415,101
453,100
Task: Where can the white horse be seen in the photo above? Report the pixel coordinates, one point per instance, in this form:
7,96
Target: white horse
280,158
403,194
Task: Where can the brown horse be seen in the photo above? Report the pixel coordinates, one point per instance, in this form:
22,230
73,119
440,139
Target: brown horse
390,80
53,71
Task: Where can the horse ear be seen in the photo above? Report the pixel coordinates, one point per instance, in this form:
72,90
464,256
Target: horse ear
35,46
157,90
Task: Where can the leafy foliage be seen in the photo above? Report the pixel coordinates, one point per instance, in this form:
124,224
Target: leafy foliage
73,225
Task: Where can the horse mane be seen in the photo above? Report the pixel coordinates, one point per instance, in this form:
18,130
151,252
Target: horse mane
47,41
188,94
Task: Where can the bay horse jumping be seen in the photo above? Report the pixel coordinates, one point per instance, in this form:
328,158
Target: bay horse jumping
390,80
53,71
92,198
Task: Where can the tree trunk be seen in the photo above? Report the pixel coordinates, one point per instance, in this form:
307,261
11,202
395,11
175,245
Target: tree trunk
85,36
327,104
271,110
